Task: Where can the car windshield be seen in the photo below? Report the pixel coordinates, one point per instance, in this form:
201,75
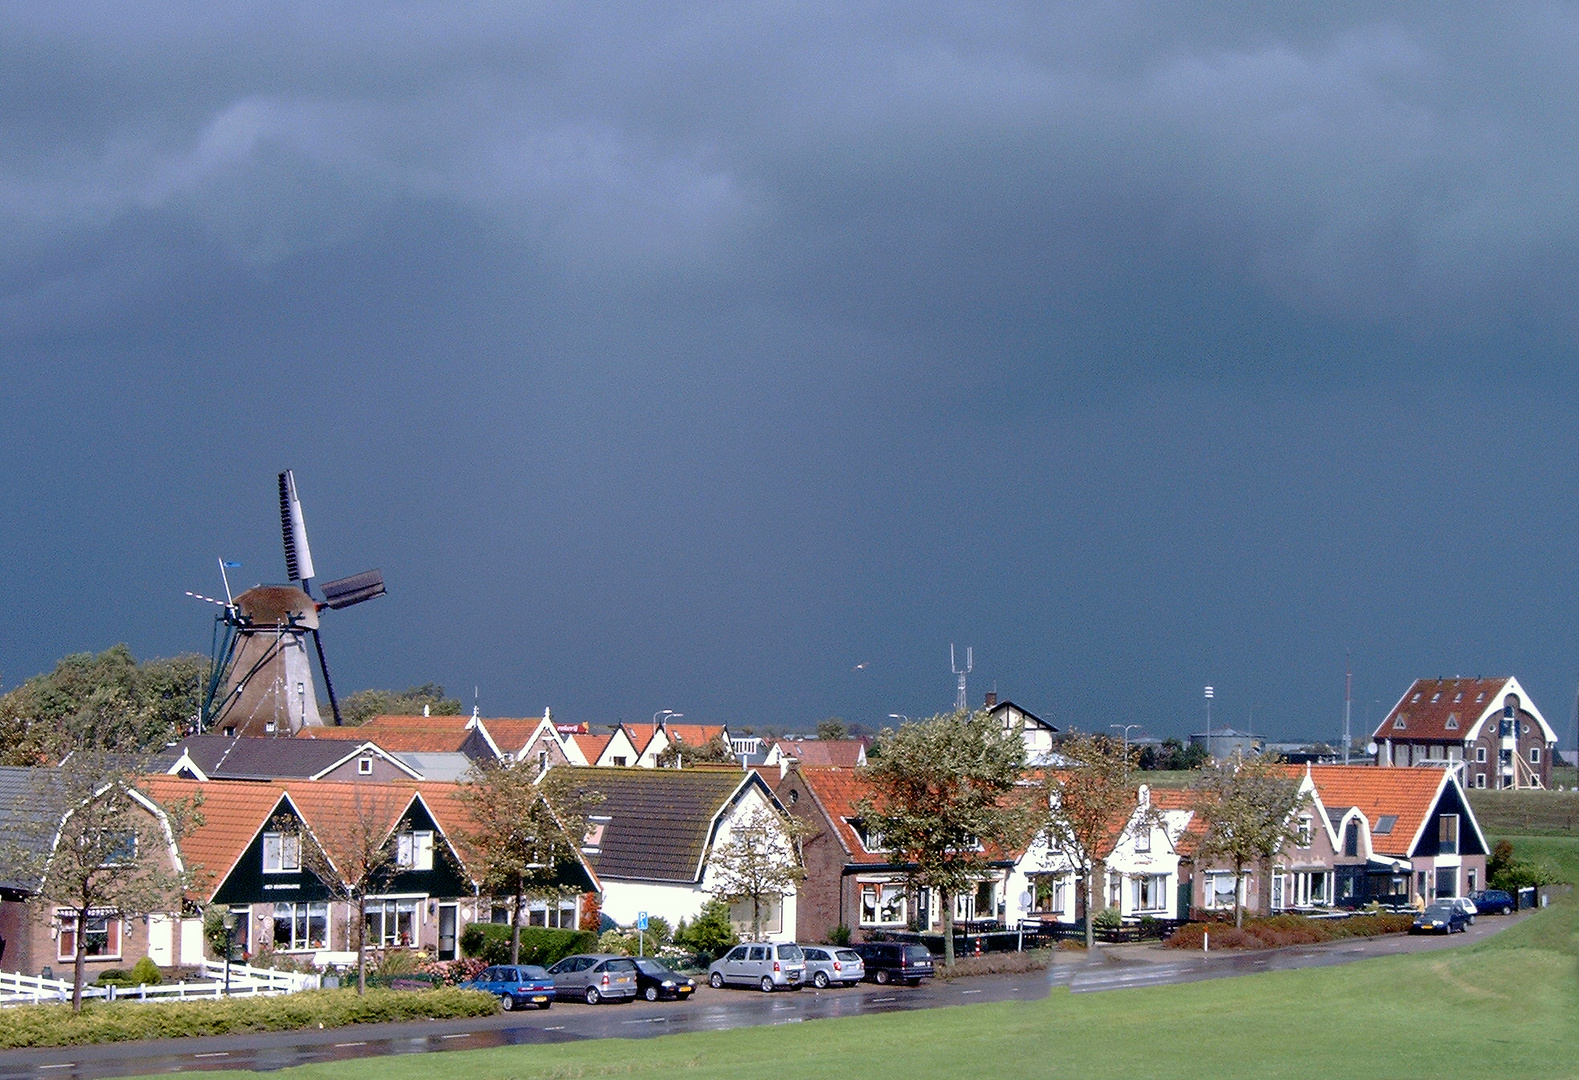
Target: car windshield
790,952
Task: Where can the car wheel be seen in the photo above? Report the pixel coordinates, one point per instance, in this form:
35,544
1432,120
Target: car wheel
767,984
506,1002
593,997
820,980
716,981
882,977
651,993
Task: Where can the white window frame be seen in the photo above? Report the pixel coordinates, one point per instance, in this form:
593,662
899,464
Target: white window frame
364,766
1143,840
300,918
1480,755
1149,892
889,905
414,850
1535,755
282,852
388,910
1303,837
1212,892
113,930
1279,890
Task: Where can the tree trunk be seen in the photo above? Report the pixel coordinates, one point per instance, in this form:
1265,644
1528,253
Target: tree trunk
946,902
77,963
515,927
756,918
1239,911
360,917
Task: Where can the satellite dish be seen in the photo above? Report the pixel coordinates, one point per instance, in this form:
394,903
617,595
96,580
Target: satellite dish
1370,748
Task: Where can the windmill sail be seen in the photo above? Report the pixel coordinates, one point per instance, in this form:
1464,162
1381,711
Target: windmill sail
298,556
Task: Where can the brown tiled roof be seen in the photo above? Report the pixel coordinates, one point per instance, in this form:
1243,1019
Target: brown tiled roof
1406,793
1171,799
814,752
403,734
660,821
591,746
509,733
1442,709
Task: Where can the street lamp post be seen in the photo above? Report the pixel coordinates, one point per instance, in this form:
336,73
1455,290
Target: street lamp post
228,920
1125,728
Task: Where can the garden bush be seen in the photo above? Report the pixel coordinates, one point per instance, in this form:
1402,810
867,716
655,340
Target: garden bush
490,942
122,1021
1287,929
997,963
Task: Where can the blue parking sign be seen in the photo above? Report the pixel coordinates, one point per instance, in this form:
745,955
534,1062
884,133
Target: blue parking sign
641,920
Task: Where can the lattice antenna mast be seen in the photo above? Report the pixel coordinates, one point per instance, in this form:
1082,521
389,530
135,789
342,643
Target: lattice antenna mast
962,698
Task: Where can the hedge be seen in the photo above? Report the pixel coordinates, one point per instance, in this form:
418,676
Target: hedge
126,1021
490,942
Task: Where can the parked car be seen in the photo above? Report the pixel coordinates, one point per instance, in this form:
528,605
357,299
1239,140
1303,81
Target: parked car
1441,917
516,986
595,977
762,964
888,961
1494,901
827,965
655,980
1467,906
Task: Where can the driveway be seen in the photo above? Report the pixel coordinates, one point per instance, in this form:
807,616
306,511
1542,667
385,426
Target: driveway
1109,968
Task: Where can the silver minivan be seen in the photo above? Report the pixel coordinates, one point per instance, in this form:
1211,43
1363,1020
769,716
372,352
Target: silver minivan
763,964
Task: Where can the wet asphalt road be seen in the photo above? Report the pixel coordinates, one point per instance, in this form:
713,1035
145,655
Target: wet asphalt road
1111,968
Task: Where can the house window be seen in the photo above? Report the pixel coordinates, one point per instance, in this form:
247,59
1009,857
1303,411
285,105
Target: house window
122,850
1143,839
1049,893
1385,823
620,760
364,766
1302,838
770,914
101,936
414,850
301,926
1278,891
1351,839
1447,834
1398,724
391,923
883,904
282,853
1220,889
1150,892
1452,722
1480,779
1311,888
1535,755
1436,697
542,761
1115,889
1480,754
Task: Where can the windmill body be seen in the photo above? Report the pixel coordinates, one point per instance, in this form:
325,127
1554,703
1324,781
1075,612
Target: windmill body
261,682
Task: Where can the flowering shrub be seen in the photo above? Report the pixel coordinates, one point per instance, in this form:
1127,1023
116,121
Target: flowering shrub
452,972
1287,929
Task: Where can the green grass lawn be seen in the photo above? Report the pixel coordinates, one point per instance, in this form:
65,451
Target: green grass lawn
1526,813
1508,1006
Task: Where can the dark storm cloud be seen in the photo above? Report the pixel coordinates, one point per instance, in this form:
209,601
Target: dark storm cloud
735,345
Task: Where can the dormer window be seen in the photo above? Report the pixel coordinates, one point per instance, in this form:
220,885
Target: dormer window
1399,725
1415,698
1436,697
1458,697
1480,697
1385,823
871,841
1452,722
364,766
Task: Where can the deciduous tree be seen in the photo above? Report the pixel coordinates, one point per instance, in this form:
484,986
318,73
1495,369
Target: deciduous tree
938,802
363,705
1088,798
1247,806
759,862
525,834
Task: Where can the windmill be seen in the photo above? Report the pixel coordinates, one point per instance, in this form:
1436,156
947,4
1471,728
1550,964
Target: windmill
261,681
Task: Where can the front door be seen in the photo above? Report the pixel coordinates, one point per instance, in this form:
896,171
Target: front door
447,919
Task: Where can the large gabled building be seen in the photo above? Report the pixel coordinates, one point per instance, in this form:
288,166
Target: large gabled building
1488,730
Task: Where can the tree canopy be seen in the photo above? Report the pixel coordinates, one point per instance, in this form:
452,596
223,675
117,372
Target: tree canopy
106,700
938,802
758,863
1087,799
363,705
1246,805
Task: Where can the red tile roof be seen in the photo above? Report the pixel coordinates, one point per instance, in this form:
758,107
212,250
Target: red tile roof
841,752
838,791
403,734
1445,710
233,813
1405,793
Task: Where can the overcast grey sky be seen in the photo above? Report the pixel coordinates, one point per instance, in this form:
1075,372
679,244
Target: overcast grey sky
690,355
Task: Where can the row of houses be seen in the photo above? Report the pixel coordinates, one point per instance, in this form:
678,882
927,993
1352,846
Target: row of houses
1363,835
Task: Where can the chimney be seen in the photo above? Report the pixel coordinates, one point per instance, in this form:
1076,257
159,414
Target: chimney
992,699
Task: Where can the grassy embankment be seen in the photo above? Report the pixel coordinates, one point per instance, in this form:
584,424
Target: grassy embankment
1508,1006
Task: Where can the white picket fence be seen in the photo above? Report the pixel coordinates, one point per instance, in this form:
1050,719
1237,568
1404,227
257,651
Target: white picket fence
243,981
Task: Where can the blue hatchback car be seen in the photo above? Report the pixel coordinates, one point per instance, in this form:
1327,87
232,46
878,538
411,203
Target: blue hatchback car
515,985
